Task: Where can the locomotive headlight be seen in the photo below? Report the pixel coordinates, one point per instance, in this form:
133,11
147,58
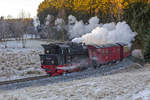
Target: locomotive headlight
47,51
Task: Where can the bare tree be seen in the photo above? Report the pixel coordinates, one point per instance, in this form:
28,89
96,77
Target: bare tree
22,26
4,30
36,24
48,27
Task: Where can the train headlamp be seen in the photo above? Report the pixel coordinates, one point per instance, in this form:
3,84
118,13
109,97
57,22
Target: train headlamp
47,51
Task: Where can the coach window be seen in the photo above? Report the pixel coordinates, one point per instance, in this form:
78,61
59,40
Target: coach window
106,52
110,52
125,48
103,52
118,50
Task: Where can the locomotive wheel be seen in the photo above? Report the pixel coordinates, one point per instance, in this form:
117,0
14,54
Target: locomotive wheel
64,73
114,62
49,74
99,65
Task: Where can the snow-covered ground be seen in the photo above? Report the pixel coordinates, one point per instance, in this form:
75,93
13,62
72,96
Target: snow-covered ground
18,43
19,63
132,84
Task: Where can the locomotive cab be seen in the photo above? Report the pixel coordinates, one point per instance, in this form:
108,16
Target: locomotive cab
55,54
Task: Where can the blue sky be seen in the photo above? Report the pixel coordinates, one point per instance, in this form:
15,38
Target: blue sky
14,7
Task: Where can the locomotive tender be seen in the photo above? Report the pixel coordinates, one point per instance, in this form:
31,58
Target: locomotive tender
59,58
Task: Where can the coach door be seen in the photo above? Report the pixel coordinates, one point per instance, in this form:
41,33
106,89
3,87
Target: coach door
121,52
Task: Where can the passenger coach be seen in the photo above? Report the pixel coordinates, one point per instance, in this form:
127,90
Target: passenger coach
109,53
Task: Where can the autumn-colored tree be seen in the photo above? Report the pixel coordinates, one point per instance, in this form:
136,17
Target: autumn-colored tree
135,12
107,10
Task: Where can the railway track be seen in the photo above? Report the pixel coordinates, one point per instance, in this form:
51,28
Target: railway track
23,80
81,74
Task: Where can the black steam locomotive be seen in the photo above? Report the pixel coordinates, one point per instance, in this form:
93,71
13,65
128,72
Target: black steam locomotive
59,58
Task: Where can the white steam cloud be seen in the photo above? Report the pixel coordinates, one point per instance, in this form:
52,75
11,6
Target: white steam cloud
99,34
36,22
78,28
60,24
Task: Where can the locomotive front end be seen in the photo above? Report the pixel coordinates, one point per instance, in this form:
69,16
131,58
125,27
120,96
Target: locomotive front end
49,63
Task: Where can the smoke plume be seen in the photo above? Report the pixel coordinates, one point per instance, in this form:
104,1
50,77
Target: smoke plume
78,28
95,33
36,22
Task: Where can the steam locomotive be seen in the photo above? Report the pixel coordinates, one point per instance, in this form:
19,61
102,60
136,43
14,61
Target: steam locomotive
59,58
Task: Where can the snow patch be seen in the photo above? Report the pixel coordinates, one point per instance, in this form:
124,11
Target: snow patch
19,63
143,95
137,53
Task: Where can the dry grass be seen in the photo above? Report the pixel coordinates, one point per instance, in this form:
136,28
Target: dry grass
34,72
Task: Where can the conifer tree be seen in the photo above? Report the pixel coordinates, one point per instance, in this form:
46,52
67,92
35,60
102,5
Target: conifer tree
147,45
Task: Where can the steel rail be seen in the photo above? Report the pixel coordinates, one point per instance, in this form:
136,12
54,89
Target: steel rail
102,70
23,80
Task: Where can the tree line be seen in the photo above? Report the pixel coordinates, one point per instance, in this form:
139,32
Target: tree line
15,28
106,10
135,12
